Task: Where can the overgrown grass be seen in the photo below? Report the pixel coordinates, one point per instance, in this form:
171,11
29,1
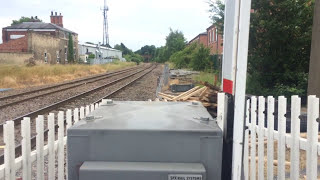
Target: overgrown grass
205,76
20,76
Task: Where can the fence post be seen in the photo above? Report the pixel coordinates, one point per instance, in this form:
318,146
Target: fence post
253,137
69,118
312,135
60,145
270,149
261,118
81,112
282,108
9,150
246,144
51,149
92,107
40,142
221,110
76,115
295,137
87,110
26,149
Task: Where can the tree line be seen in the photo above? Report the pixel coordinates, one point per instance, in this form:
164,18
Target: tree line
176,50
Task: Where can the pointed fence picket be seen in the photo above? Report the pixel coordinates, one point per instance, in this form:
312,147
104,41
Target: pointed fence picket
285,141
54,147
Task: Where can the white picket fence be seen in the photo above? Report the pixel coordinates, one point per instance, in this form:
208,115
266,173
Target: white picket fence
24,163
259,139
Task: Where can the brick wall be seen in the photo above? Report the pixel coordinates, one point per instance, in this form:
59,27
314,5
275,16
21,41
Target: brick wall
45,45
17,45
203,39
14,58
200,39
215,41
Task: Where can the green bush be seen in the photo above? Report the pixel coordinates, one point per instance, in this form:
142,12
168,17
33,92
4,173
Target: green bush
134,58
200,59
194,56
91,56
182,59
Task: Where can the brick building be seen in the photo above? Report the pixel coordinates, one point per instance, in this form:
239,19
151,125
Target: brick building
46,42
200,39
215,40
211,39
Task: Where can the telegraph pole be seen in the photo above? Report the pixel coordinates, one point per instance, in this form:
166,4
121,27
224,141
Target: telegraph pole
314,73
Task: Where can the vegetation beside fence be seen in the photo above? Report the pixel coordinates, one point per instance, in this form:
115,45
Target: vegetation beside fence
21,76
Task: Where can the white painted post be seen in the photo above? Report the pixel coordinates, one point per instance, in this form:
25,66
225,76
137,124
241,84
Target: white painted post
92,107
221,110
87,110
51,151
312,135
253,138
76,115
282,108
69,124
240,87
82,112
61,145
270,150
96,105
246,145
9,150
40,143
295,137
261,138
26,149
69,118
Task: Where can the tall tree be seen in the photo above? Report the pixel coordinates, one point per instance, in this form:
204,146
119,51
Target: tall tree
175,42
70,49
279,47
217,14
123,48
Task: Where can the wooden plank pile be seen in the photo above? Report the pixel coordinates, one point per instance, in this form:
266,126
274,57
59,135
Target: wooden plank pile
207,95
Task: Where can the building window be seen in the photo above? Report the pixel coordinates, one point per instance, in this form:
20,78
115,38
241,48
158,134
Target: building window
216,34
209,36
212,36
65,54
45,58
87,50
58,56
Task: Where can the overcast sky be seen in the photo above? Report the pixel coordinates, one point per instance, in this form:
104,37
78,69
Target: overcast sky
134,22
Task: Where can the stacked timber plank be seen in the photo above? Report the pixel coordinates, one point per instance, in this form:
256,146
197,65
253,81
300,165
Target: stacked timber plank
207,95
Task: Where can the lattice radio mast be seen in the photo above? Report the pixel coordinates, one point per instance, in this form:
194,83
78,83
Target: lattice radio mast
105,9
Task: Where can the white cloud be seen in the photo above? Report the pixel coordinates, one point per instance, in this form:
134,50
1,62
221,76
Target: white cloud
135,23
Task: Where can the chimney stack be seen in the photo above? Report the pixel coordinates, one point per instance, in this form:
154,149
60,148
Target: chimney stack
56,19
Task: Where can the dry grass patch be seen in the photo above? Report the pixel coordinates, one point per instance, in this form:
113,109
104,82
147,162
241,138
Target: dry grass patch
20,76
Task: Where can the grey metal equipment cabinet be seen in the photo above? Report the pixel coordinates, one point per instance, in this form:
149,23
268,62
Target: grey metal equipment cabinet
145,141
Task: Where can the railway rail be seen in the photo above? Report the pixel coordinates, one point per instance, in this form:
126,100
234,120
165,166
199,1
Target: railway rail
132,78
20,97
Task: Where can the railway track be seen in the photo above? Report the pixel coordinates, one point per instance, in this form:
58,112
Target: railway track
21,97
117,84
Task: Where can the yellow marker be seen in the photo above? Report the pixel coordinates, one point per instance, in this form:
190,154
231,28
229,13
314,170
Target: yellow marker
2,147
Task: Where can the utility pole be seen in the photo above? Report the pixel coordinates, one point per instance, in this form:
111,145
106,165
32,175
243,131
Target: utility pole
105,10
314,73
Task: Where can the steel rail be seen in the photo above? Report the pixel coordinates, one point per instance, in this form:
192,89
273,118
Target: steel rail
92,80
63,84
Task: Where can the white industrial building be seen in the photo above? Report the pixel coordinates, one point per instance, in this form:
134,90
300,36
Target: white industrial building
102,54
